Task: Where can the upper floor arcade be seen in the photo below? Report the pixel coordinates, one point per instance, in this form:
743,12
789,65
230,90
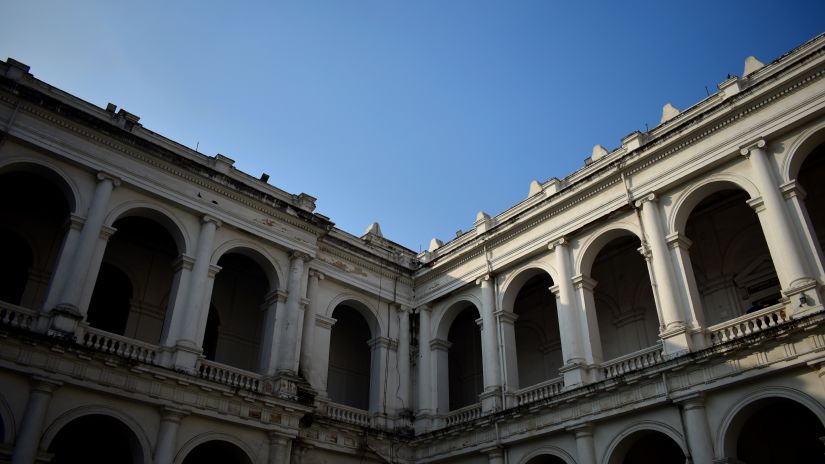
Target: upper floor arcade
702,231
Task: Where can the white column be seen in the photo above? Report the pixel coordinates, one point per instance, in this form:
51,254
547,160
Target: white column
494,455
308,337
491,397
185,320
795,197
440,350
570,318
280,448
64,262
273,308
31,428
379,353
318,375
586,307
425,407
699,440
686,280
509,356
67,307
287,352
585,447
674,335
166,443
404,373
89,284
782,239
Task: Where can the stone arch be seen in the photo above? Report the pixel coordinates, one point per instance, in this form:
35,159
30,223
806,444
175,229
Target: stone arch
800,149
688,200
176,229
610,455
553,451
594,244
50,171
82,411
256,253
518,277
368,311
202,438
448,311
729,427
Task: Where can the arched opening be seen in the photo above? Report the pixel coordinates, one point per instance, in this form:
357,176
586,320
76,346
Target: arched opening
146,250
110,306
625,307
546,459
810,179
33,225
775,431
210,337
350,358
648,447
466,380
96,439
238,294
17,261
730,257
538,344
217,451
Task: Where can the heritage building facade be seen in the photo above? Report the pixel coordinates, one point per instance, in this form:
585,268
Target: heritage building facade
662,304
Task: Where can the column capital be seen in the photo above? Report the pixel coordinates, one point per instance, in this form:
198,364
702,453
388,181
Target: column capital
425,307
691,401
206,219
296,254
106,232
582,430
560,242
506,317
214,269
42,384
381,342
677,240
745,150
76,222
439,344
324,322
103,176
645,251
649,198
183,262
317,274
170,414
399,308
583,281
555,289
485,278
277,296
792,189
757,203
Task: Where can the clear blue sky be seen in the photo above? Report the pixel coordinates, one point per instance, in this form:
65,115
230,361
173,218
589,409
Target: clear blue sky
416,114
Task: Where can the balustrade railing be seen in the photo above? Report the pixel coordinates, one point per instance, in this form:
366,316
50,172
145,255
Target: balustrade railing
633,361
349,414
540,391
465,414
17,316
230,376
119,345
748,324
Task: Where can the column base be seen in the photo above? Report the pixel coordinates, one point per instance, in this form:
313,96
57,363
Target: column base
675,340
490,400
64,321
185,357
423,422
576,373
804,298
